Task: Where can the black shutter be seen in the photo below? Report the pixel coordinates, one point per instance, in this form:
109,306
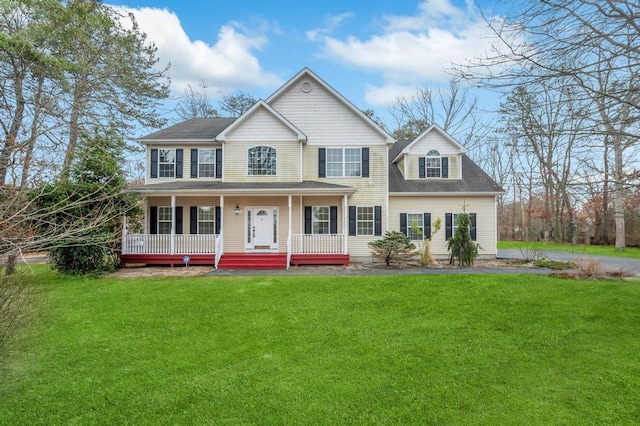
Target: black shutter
218,220
194,163
154,163
445,167
427,225
322,162
333,219
448,226
365,162
179,220
377,220
472,216
219,162
421,167
352,220
403,223
193,220
179,162
153,219
308,224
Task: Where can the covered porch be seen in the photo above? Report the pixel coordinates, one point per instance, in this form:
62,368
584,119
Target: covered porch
232,227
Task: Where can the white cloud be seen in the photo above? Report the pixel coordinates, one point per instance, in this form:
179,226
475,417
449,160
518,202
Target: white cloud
414,50
228,64
330,23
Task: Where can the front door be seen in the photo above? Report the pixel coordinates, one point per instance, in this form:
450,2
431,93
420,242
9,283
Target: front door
262,228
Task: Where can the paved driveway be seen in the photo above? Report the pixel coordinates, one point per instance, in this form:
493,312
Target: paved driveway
614,264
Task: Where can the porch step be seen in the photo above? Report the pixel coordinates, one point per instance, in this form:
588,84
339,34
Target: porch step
253,261
319,259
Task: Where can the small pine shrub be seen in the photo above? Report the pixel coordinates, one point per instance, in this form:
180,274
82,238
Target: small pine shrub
395,246
464,251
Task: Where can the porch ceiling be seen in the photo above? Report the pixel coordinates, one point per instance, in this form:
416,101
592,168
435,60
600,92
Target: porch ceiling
194,187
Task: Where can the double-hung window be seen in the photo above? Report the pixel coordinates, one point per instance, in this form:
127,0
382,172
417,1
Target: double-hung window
364,220
320,220
433,164
415,226
166,163
344,162
206,163
164,220
262,161
206,220
451,225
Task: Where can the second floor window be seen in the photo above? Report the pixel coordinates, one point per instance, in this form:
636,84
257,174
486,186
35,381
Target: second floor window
345,162
261,161
206,163
166,163
433,164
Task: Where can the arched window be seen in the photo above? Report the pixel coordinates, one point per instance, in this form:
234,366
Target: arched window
261,161
433,164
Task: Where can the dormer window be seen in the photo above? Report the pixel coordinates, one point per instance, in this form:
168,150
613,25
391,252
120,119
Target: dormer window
261,161
433,165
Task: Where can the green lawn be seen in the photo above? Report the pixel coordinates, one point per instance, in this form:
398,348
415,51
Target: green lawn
434,349
629,252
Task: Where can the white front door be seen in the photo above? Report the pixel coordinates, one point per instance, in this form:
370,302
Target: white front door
262,228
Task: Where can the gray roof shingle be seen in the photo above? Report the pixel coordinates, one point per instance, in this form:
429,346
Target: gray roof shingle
193,129
474,179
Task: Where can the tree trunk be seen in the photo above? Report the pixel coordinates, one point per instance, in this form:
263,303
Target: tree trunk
14,129
618,195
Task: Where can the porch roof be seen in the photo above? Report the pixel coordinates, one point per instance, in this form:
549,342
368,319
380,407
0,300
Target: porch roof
209,187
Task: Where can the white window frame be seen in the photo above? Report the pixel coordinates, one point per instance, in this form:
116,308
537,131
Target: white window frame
208,172
166,168
212,220
165,217
338,160
321,221
361,222
433,164
410,233
270,169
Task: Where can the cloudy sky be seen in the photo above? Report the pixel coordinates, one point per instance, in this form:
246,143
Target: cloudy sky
370,51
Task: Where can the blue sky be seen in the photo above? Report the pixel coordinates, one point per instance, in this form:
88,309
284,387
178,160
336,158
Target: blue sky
369,51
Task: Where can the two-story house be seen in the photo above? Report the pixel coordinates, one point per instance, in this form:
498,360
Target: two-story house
303,177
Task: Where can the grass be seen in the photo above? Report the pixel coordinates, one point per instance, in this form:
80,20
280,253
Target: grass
437,349
629,252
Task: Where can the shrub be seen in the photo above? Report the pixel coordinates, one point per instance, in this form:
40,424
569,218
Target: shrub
395,246
463,249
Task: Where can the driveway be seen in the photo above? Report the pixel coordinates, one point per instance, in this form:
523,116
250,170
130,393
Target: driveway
613,264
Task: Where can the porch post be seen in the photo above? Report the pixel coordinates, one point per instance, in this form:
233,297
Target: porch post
222,214
173,224
345,224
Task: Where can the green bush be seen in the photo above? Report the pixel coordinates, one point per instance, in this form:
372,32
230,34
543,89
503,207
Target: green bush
464,251
395,246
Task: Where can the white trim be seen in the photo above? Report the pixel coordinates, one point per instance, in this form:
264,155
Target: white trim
250,246
436,128
224,135
310,74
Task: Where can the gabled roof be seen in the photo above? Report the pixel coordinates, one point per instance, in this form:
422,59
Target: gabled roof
222,136
433,128
195,129
474,180
306,72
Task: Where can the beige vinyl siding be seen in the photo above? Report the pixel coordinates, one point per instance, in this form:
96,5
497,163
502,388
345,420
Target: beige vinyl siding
236,162
483,207
235,231
186,164
323,118
433,140
413,166
319,202
262,126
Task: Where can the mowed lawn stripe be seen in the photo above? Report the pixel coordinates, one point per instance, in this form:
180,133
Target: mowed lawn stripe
438,349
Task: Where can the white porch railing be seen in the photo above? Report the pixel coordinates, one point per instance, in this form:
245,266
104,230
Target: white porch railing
161,244
317,244
219,248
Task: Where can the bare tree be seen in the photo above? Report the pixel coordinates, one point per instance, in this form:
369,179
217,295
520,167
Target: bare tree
237,103
195,104
574,43
452,108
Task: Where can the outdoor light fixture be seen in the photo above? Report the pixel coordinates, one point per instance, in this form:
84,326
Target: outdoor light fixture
237,209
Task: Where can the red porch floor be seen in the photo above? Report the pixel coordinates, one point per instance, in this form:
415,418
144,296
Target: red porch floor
237,260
